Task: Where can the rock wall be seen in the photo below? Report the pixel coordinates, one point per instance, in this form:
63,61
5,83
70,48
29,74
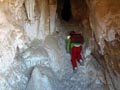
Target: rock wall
104,21
40,20
37,21
52,8
79,10
11,32
21,22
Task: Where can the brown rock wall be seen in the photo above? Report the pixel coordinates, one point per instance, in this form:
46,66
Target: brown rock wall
104,21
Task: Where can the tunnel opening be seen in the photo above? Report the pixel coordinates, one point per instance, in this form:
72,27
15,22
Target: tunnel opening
66,10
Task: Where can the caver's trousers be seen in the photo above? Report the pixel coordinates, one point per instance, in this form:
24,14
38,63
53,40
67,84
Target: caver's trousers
76,55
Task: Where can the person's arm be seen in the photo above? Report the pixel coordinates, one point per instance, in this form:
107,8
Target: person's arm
85,38
81,39
68,44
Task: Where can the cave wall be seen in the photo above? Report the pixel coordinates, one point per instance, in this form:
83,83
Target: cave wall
40,20
21,22
11,31
105,23
37,25
79,10
52,8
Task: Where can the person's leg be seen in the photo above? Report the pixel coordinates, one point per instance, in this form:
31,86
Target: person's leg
79,57
73,57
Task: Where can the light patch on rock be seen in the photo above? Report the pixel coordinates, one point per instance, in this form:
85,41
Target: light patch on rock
111,35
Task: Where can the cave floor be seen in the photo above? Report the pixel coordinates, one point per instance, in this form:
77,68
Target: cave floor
47,66
89,76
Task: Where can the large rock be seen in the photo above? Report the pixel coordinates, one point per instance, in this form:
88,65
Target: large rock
42,78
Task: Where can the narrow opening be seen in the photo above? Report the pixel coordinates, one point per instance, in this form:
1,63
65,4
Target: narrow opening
66,11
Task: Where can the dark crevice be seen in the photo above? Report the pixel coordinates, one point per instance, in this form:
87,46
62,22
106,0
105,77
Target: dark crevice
66,11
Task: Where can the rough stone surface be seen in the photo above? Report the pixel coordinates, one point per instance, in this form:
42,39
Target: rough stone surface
11,32
104,20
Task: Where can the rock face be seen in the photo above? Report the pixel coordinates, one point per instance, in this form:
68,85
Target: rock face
21,22
52,8
79,10
11,32
37,21
104,20
45,77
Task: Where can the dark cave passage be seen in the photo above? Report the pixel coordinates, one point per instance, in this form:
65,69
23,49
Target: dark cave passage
66,11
